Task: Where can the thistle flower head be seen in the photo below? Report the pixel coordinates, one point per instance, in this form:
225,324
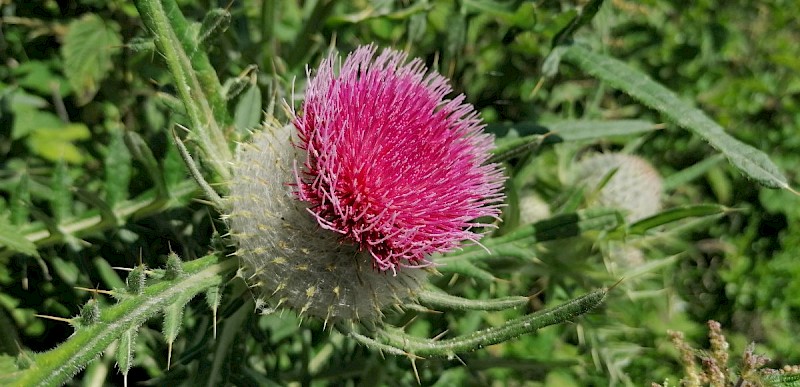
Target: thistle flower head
391,165
376,172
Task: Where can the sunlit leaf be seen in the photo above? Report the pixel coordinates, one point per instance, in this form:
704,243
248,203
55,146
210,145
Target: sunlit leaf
89,45
751,161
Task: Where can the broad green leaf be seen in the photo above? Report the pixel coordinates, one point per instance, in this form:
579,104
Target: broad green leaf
248,109
676,214
88,47
56,144
752,162
39,77
27,120
12,239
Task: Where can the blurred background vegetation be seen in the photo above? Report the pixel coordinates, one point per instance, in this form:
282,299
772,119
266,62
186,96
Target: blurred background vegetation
88,174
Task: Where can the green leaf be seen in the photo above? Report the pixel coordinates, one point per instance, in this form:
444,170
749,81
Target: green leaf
61,201
684,176
20,200
56,144
125,347
57,366
585,17
141,151
117,169
395,341
517,138
752,162
676,214
89,44
38,76
173,317
28,120
248,110
11,238
107,273
214,24
438,299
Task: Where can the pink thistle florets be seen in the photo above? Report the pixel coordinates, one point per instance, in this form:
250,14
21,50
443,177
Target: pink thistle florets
392,165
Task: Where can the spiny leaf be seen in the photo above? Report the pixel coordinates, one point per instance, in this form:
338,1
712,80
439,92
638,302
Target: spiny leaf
141,44
136,280
398,342
125,346
173,318
213,299
749,160
174,267
214,24
56,366
90,312
89,44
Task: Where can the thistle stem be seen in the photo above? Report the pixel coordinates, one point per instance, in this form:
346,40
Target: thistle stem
195,79
413,346
57,366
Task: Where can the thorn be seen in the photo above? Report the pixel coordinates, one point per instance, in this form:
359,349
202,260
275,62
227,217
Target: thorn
54,318
94,291
126,379
416,373
408,323
214,323
615,284
453,279
459,360
169,355
439,336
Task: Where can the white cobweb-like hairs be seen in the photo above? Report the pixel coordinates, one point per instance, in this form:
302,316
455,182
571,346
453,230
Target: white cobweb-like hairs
290,260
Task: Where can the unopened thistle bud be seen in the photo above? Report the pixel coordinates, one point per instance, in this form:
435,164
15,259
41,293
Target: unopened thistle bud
635,187
337,214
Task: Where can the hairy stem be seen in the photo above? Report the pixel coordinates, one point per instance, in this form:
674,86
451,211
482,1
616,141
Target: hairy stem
400,342
195,79
57,366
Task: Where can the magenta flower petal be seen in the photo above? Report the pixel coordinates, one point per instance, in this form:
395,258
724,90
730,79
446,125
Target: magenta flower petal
391,164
